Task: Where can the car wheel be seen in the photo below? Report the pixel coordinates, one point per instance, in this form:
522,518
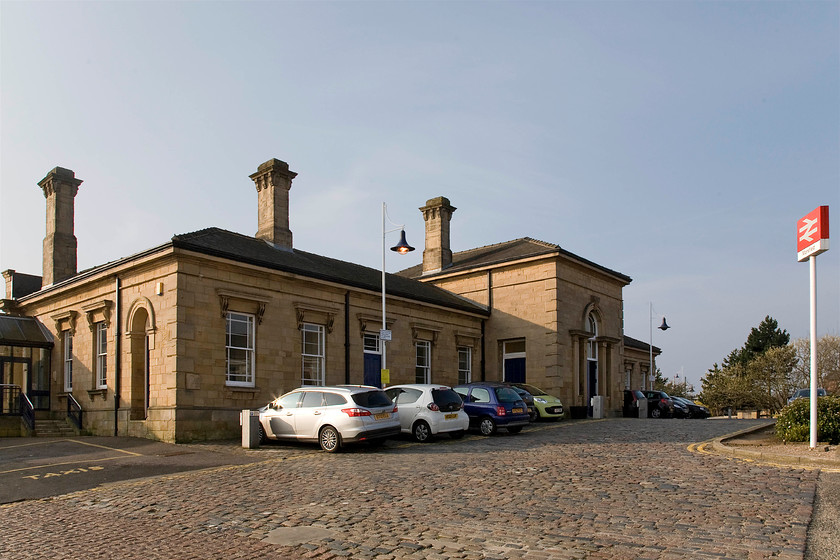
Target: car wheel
457,434
421,431
515,429
532,416
487,426
330,439
656,413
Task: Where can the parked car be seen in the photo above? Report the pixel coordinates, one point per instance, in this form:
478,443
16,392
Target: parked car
694,410
680,408
493,405
332,416
547,406
806,394
631,403
427,410
527,397
659,404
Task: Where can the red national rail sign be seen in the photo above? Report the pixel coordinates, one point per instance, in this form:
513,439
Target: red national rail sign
812,234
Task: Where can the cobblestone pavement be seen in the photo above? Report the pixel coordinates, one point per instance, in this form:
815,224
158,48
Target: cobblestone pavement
617,488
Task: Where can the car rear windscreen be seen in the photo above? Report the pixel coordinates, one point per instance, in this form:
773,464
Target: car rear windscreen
372,399
507,395
446,399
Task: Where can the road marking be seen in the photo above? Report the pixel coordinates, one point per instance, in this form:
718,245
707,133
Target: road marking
76,462
76,470
106,447
702,448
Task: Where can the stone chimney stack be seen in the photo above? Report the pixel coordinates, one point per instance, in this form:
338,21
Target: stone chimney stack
437,213
60,187
274,180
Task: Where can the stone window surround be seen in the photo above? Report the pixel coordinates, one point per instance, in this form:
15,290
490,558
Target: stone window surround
307,313
96,313
252,336
65,321
424,332
372,321
254,304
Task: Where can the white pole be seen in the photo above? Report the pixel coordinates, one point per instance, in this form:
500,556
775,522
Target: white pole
650,347
814,379
384,326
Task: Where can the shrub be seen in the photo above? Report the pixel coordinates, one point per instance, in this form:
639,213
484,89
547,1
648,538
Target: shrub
794,422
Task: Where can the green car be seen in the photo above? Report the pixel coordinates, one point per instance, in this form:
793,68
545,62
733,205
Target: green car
548,406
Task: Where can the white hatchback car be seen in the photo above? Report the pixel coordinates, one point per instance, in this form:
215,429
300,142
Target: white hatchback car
429,409
332,416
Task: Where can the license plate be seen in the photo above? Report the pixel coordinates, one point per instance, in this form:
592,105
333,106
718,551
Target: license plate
382,416
451,416
517,411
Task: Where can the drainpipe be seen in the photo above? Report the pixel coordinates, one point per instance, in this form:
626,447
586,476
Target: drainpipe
347,337
116,356
483,323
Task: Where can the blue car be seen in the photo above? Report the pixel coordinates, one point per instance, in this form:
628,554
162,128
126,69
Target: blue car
493,405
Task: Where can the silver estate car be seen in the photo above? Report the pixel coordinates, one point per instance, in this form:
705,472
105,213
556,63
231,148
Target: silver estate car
332,416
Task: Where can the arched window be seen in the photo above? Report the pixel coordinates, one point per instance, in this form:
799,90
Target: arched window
592,346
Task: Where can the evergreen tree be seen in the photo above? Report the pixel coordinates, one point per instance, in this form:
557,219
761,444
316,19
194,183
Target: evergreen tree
764,337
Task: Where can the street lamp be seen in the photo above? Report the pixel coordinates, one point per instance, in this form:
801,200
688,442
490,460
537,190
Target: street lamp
664,326
402,248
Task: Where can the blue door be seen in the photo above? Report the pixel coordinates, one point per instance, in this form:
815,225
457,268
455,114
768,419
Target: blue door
515,370
373,370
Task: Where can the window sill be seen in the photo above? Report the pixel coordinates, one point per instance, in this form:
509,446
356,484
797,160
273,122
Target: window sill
93,393
237,389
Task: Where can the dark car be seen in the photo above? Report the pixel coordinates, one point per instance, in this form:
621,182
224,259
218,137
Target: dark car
493,405
680,408
659,404
527,397
631,403
694,410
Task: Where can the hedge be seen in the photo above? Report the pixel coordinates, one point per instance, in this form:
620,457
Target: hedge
794,421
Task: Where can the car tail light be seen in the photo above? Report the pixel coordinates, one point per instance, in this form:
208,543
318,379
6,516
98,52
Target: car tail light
395,409
356,412
500,411
433,406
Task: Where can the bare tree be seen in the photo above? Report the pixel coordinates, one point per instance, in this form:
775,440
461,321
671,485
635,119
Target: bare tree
828,363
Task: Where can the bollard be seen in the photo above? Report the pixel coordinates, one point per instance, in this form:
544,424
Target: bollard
250,422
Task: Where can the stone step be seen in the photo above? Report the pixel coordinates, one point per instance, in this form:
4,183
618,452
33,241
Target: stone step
53,428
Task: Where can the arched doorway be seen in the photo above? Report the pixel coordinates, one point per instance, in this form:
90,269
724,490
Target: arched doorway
141,326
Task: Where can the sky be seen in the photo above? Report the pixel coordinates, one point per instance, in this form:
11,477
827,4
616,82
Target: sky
675,142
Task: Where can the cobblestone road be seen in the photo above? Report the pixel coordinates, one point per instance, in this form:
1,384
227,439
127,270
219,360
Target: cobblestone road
618,488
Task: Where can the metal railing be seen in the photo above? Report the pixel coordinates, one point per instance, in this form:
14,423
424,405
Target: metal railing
74,411
27,412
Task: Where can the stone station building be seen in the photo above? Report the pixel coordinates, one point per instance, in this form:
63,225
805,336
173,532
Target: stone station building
173,342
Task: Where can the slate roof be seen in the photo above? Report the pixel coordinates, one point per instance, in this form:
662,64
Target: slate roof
639,345
500,253
226,244
24,331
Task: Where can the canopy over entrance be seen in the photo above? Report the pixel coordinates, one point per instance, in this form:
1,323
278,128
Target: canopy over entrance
24,331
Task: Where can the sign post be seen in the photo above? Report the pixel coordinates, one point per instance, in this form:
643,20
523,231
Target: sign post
811,240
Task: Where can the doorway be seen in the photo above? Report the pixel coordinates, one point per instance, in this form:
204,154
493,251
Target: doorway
373,360
513,361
